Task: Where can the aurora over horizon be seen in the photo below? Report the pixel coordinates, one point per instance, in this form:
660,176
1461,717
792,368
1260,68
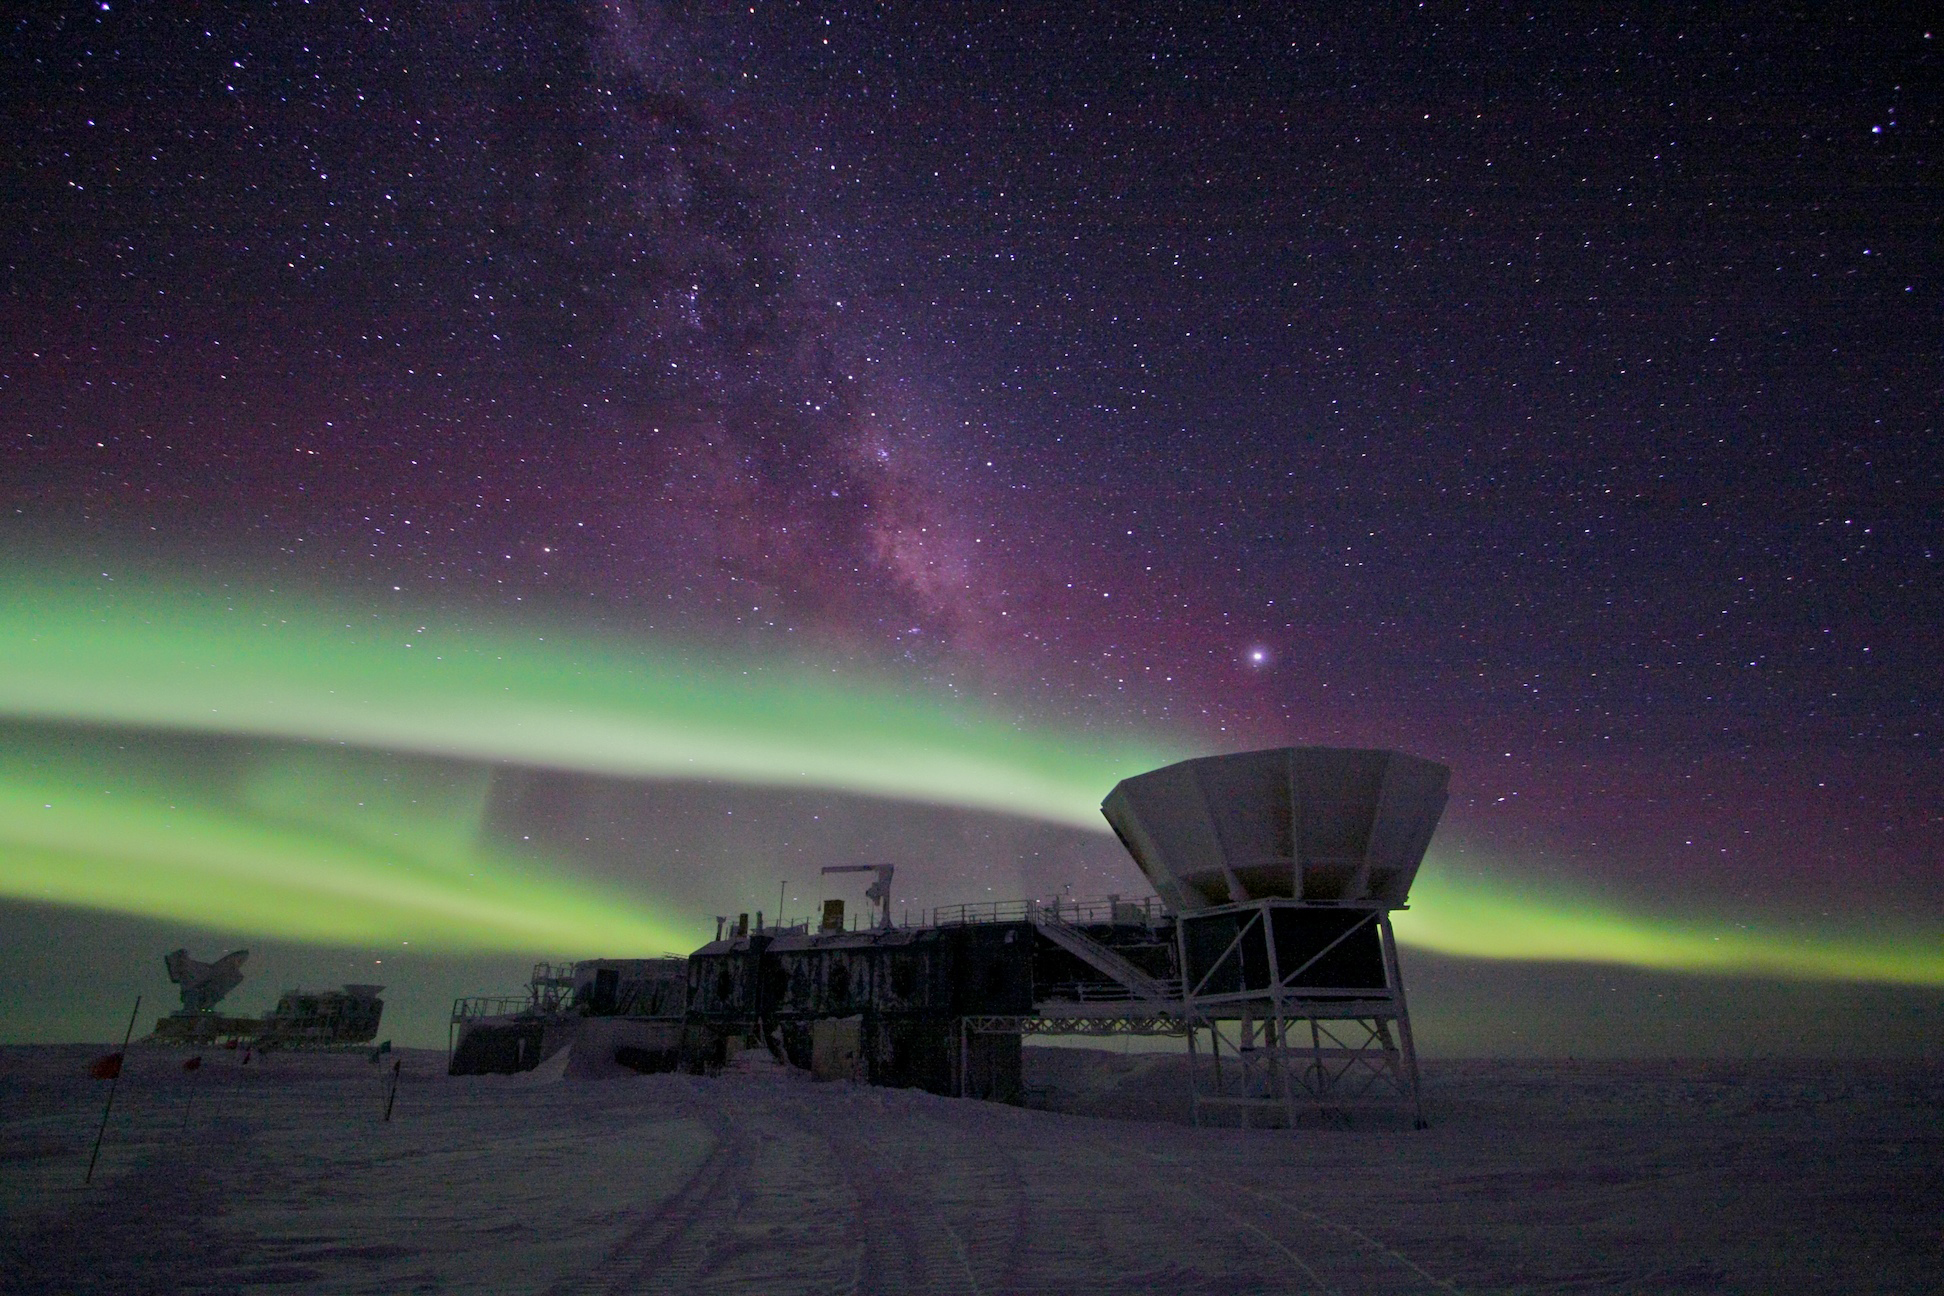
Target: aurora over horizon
329,839
522,483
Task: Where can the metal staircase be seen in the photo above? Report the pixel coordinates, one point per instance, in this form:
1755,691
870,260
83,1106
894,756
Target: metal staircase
1104,960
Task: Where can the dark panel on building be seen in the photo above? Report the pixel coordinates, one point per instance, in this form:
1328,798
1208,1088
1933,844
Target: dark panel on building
994,1067
1217,961
994,975
498,1048
607,988
911,1052
1341,948
906,989
1347,950
648,1061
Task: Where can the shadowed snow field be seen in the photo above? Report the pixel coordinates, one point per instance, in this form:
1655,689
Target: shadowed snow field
1621,1176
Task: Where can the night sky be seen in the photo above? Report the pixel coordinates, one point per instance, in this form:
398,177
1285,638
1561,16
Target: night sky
1079,386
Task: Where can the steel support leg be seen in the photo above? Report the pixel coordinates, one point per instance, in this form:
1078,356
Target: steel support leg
1194,1077
1396,976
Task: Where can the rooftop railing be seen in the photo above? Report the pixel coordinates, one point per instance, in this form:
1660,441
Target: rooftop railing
1078,912
488,1006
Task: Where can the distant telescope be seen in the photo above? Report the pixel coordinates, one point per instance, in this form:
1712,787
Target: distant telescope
203,985
302,1019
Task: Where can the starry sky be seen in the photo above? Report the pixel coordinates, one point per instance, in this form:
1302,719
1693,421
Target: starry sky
921,415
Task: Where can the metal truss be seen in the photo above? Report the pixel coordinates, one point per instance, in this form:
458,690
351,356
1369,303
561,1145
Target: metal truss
1103,1020
1062,1024
1269,1055
1282,1052
1276,1068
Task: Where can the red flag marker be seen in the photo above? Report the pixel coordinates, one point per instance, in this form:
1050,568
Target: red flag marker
106,1067
191,1065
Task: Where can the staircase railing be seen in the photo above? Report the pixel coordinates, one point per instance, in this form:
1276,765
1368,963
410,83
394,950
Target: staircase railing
1102,959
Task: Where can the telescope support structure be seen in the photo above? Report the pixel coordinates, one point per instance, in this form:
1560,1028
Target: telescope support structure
1295,1010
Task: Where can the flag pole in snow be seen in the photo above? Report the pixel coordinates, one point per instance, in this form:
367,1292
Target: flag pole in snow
114,1083
192,1066
393,1095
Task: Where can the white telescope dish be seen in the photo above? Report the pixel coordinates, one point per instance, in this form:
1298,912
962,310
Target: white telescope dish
1317,824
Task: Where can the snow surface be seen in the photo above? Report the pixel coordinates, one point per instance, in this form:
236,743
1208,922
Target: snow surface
1759,1176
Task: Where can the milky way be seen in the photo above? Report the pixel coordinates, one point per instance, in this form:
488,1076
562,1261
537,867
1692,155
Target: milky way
1554,399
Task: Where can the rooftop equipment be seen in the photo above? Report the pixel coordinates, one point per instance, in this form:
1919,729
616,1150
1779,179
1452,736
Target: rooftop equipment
1282,867
203,985
879,891
625,1011
323,1019
302,1019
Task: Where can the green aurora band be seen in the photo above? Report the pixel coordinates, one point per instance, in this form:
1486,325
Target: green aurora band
323,845
357,831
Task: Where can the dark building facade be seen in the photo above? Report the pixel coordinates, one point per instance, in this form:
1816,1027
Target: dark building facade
887,1005
633,1007
1269,939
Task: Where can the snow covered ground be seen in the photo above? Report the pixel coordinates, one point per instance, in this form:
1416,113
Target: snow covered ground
1765,1176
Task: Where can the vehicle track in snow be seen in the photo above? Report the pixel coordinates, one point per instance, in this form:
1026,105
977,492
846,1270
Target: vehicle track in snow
670,1244
906,1243
1330,1255
772,1208
1380,1267
987,1209
850,1189
1156,1225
